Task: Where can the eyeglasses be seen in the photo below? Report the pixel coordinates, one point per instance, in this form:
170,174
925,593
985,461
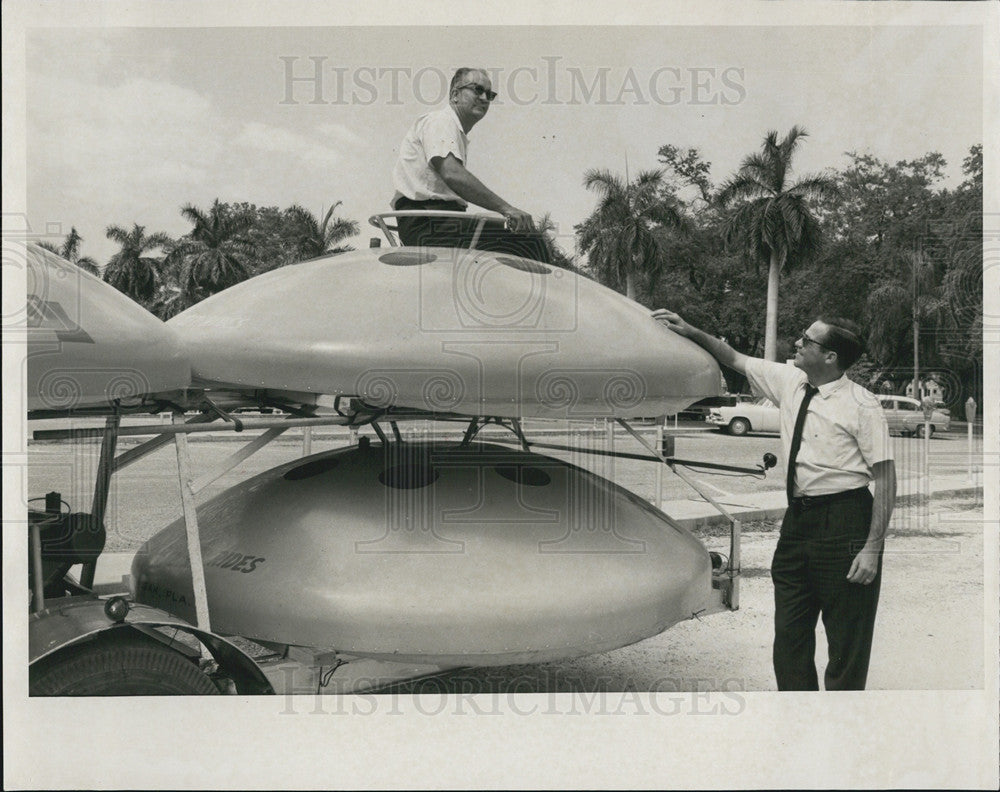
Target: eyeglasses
480,91
807,340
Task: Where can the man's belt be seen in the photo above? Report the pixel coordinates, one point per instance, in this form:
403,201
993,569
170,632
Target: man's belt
440,204
809,501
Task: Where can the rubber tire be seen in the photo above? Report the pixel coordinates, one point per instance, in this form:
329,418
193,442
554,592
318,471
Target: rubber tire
739,427
920,431
120,663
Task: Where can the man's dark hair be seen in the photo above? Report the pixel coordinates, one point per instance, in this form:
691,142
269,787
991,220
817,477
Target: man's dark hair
461,75
844,337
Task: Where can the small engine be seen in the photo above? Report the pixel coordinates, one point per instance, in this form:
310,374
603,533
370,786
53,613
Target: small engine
67,538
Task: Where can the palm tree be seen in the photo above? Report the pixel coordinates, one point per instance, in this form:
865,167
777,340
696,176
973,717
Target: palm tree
618,235
130,271
70,250
171,297
320,238
771,219
548,231
910,296
215,256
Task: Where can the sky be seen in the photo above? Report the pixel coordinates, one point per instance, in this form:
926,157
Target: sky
127,124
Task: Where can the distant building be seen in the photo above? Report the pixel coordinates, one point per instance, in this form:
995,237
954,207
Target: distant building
929,388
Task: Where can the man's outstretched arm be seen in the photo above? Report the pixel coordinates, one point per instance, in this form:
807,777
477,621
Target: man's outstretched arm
716,347
465,184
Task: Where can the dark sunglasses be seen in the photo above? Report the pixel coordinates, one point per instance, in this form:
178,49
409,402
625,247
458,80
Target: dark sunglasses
806,339
480,91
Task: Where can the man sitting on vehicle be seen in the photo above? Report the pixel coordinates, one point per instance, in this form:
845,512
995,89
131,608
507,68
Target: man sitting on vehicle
431,174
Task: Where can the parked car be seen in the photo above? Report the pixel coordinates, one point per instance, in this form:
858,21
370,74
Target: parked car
757,415
903,414
906,416
700,409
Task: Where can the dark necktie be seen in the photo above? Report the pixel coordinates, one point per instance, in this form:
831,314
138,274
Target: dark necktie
793,452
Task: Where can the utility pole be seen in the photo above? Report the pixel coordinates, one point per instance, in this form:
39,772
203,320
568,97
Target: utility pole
914,266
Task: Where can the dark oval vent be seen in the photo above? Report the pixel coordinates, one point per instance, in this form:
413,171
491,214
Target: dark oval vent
310,469
406,258
527,475
525,265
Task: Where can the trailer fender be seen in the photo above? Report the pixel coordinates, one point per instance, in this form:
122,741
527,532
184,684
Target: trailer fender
71,620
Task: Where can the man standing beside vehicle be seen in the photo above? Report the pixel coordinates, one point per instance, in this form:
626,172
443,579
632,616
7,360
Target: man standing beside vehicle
431,174
829,555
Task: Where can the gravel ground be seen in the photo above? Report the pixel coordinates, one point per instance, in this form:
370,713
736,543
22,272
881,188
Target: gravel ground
929,634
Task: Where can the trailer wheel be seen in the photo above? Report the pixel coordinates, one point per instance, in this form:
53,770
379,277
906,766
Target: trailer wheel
119,664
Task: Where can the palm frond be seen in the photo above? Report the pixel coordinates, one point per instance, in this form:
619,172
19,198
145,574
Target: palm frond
604,182
87,264
815,186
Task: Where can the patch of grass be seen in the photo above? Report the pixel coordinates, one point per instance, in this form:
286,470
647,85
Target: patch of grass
754,572
753,526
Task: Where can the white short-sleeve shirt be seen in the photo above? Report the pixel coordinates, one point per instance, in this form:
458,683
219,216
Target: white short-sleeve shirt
845,431
435,134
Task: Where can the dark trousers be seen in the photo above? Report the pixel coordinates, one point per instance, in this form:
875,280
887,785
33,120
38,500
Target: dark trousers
809,570
456,233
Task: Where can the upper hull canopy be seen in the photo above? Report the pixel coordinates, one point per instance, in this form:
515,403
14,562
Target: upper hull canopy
445,554
449,331
90,346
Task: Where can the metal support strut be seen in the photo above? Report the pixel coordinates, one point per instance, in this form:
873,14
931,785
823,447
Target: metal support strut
99,507
735,526
191,526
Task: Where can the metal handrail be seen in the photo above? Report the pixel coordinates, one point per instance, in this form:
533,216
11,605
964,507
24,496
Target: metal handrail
379,221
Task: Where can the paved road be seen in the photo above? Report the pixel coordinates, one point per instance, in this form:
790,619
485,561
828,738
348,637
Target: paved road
144,496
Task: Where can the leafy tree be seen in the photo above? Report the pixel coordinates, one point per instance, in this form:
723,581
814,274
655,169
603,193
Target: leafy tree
900,238
271,241
884,222
881,206
771,218
215,252
959,343
130,270
689,169
618,235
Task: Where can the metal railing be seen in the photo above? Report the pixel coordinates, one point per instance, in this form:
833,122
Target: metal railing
390,231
